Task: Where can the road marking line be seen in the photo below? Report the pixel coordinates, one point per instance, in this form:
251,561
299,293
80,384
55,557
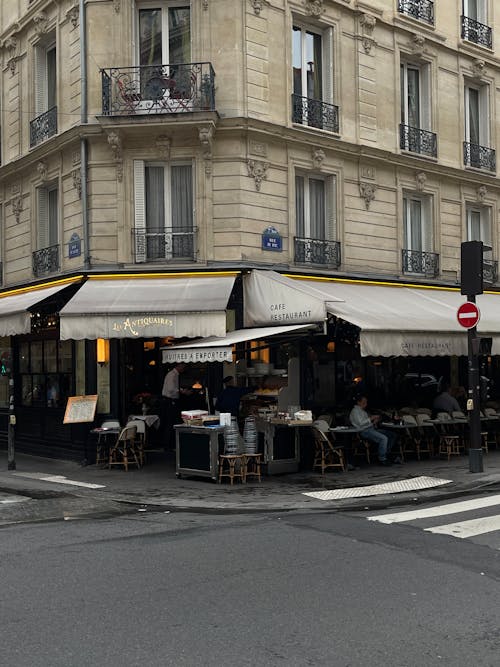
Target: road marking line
464,529
10,501
440,510
400,486
59,479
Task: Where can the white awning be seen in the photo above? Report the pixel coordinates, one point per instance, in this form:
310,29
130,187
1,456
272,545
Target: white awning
220,348
15,317
395,320
152,307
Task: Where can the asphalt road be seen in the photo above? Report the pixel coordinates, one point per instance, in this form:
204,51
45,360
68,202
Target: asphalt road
161,589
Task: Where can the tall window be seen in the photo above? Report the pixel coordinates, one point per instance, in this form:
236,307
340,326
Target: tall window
417,223
45,78
46,369
48,225
476,115
314,207
164,213
475,9
479,226
164,33
415,104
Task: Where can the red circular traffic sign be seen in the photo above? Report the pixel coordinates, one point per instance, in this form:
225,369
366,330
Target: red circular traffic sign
468,315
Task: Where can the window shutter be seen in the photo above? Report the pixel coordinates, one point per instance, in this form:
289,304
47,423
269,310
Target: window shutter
484,116
328,83
426,212
40,80
331,209
43,218
53,217
139,211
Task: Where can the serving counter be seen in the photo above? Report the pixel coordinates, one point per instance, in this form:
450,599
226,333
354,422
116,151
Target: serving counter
281,443
197,450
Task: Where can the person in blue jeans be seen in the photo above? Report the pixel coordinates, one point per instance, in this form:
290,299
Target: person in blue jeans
360,419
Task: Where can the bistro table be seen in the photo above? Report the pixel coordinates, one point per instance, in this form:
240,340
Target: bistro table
281,443
103,433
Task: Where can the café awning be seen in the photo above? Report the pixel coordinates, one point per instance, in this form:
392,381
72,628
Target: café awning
220,348
148,307
15,305
394,319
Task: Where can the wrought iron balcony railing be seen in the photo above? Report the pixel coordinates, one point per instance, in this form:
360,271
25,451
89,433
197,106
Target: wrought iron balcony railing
479,157
317,251
417,141
46,261
158,89
490,271
162,245
476,32
423,10
424,263
315,113
43,126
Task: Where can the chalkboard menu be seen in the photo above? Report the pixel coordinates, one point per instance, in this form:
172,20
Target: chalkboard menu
80,409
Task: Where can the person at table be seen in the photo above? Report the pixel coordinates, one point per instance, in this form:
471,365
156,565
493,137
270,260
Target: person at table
230,397
445,402
383,438
171,393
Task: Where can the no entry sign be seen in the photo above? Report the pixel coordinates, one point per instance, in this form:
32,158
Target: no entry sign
468,315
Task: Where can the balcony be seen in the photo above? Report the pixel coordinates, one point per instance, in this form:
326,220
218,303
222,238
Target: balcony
476,32
490,271
163,245
158,89
417,141
479,157
43,126
422,10
315,113
422,263
45,261
317,251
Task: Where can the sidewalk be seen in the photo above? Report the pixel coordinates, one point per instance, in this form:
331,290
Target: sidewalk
157,485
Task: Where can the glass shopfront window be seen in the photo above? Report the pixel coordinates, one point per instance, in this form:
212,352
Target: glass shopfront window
46,369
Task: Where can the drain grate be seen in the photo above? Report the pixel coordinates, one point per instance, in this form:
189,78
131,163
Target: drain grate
414,484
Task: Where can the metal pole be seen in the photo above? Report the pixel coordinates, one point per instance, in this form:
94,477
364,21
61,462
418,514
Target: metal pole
473,407
11,432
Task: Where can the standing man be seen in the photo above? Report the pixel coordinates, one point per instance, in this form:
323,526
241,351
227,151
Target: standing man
171,393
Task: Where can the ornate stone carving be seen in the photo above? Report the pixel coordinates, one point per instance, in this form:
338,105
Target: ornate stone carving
117,5
76,158
11,64
482,193
41,21
10,46
205,5
318,157
367,171
421,180
72,15
417,45
17,207
258,171
41,168
314,7
163,144
367,192
206,139
257,6
367,23
115,143
15,188
76,175
478,68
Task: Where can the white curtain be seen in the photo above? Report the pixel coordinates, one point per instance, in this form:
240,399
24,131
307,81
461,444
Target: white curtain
317,208
299,206
155,211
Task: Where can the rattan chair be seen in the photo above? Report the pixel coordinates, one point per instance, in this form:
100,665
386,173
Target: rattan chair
124,453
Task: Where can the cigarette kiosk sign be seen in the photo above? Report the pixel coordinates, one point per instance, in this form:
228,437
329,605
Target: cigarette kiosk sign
468,315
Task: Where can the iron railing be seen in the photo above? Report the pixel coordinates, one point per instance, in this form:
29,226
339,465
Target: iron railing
161,245
479,156
158,89
476,32
424,263
43,126
490,271
423,10
317,251
417,141
45,261
315,113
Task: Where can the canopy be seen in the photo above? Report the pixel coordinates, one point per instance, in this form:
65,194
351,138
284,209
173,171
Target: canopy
395,320
151,307
15,317
219,348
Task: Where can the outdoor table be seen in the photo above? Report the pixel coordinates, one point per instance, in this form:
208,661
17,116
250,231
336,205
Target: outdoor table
102,439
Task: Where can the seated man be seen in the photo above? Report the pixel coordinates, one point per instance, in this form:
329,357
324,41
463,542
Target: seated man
445,402
384,439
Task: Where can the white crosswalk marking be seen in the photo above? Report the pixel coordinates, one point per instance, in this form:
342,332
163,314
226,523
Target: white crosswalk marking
464,529
439,510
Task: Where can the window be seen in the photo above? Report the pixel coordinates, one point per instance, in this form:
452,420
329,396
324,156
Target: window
479,229
422,10
417,223
312,63
48,226
415,126
164,212
477,129
46,369
164,31
44,124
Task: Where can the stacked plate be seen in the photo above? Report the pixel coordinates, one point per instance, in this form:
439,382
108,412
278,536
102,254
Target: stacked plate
250,436
231,437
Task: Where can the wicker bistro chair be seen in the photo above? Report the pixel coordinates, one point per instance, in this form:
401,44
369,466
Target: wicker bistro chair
428,435
124,453
102,449
327,454
140,438
450,442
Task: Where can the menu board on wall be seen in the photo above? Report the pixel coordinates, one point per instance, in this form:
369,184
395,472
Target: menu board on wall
80,409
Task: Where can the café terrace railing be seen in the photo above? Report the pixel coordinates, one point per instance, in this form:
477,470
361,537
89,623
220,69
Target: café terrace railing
417,141
45,261
315,113
158,89
476,32
423,263
423,10
43,126
479,157
169,243
317,251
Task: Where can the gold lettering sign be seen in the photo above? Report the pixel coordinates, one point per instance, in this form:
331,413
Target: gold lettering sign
135,326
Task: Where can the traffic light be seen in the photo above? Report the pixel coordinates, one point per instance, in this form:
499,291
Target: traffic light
471,274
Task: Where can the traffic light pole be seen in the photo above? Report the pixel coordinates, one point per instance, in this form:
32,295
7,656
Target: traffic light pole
473,407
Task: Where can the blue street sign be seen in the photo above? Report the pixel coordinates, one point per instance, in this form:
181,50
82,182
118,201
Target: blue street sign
271,239
74,246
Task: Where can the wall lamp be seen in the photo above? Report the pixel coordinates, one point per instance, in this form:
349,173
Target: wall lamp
102,351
